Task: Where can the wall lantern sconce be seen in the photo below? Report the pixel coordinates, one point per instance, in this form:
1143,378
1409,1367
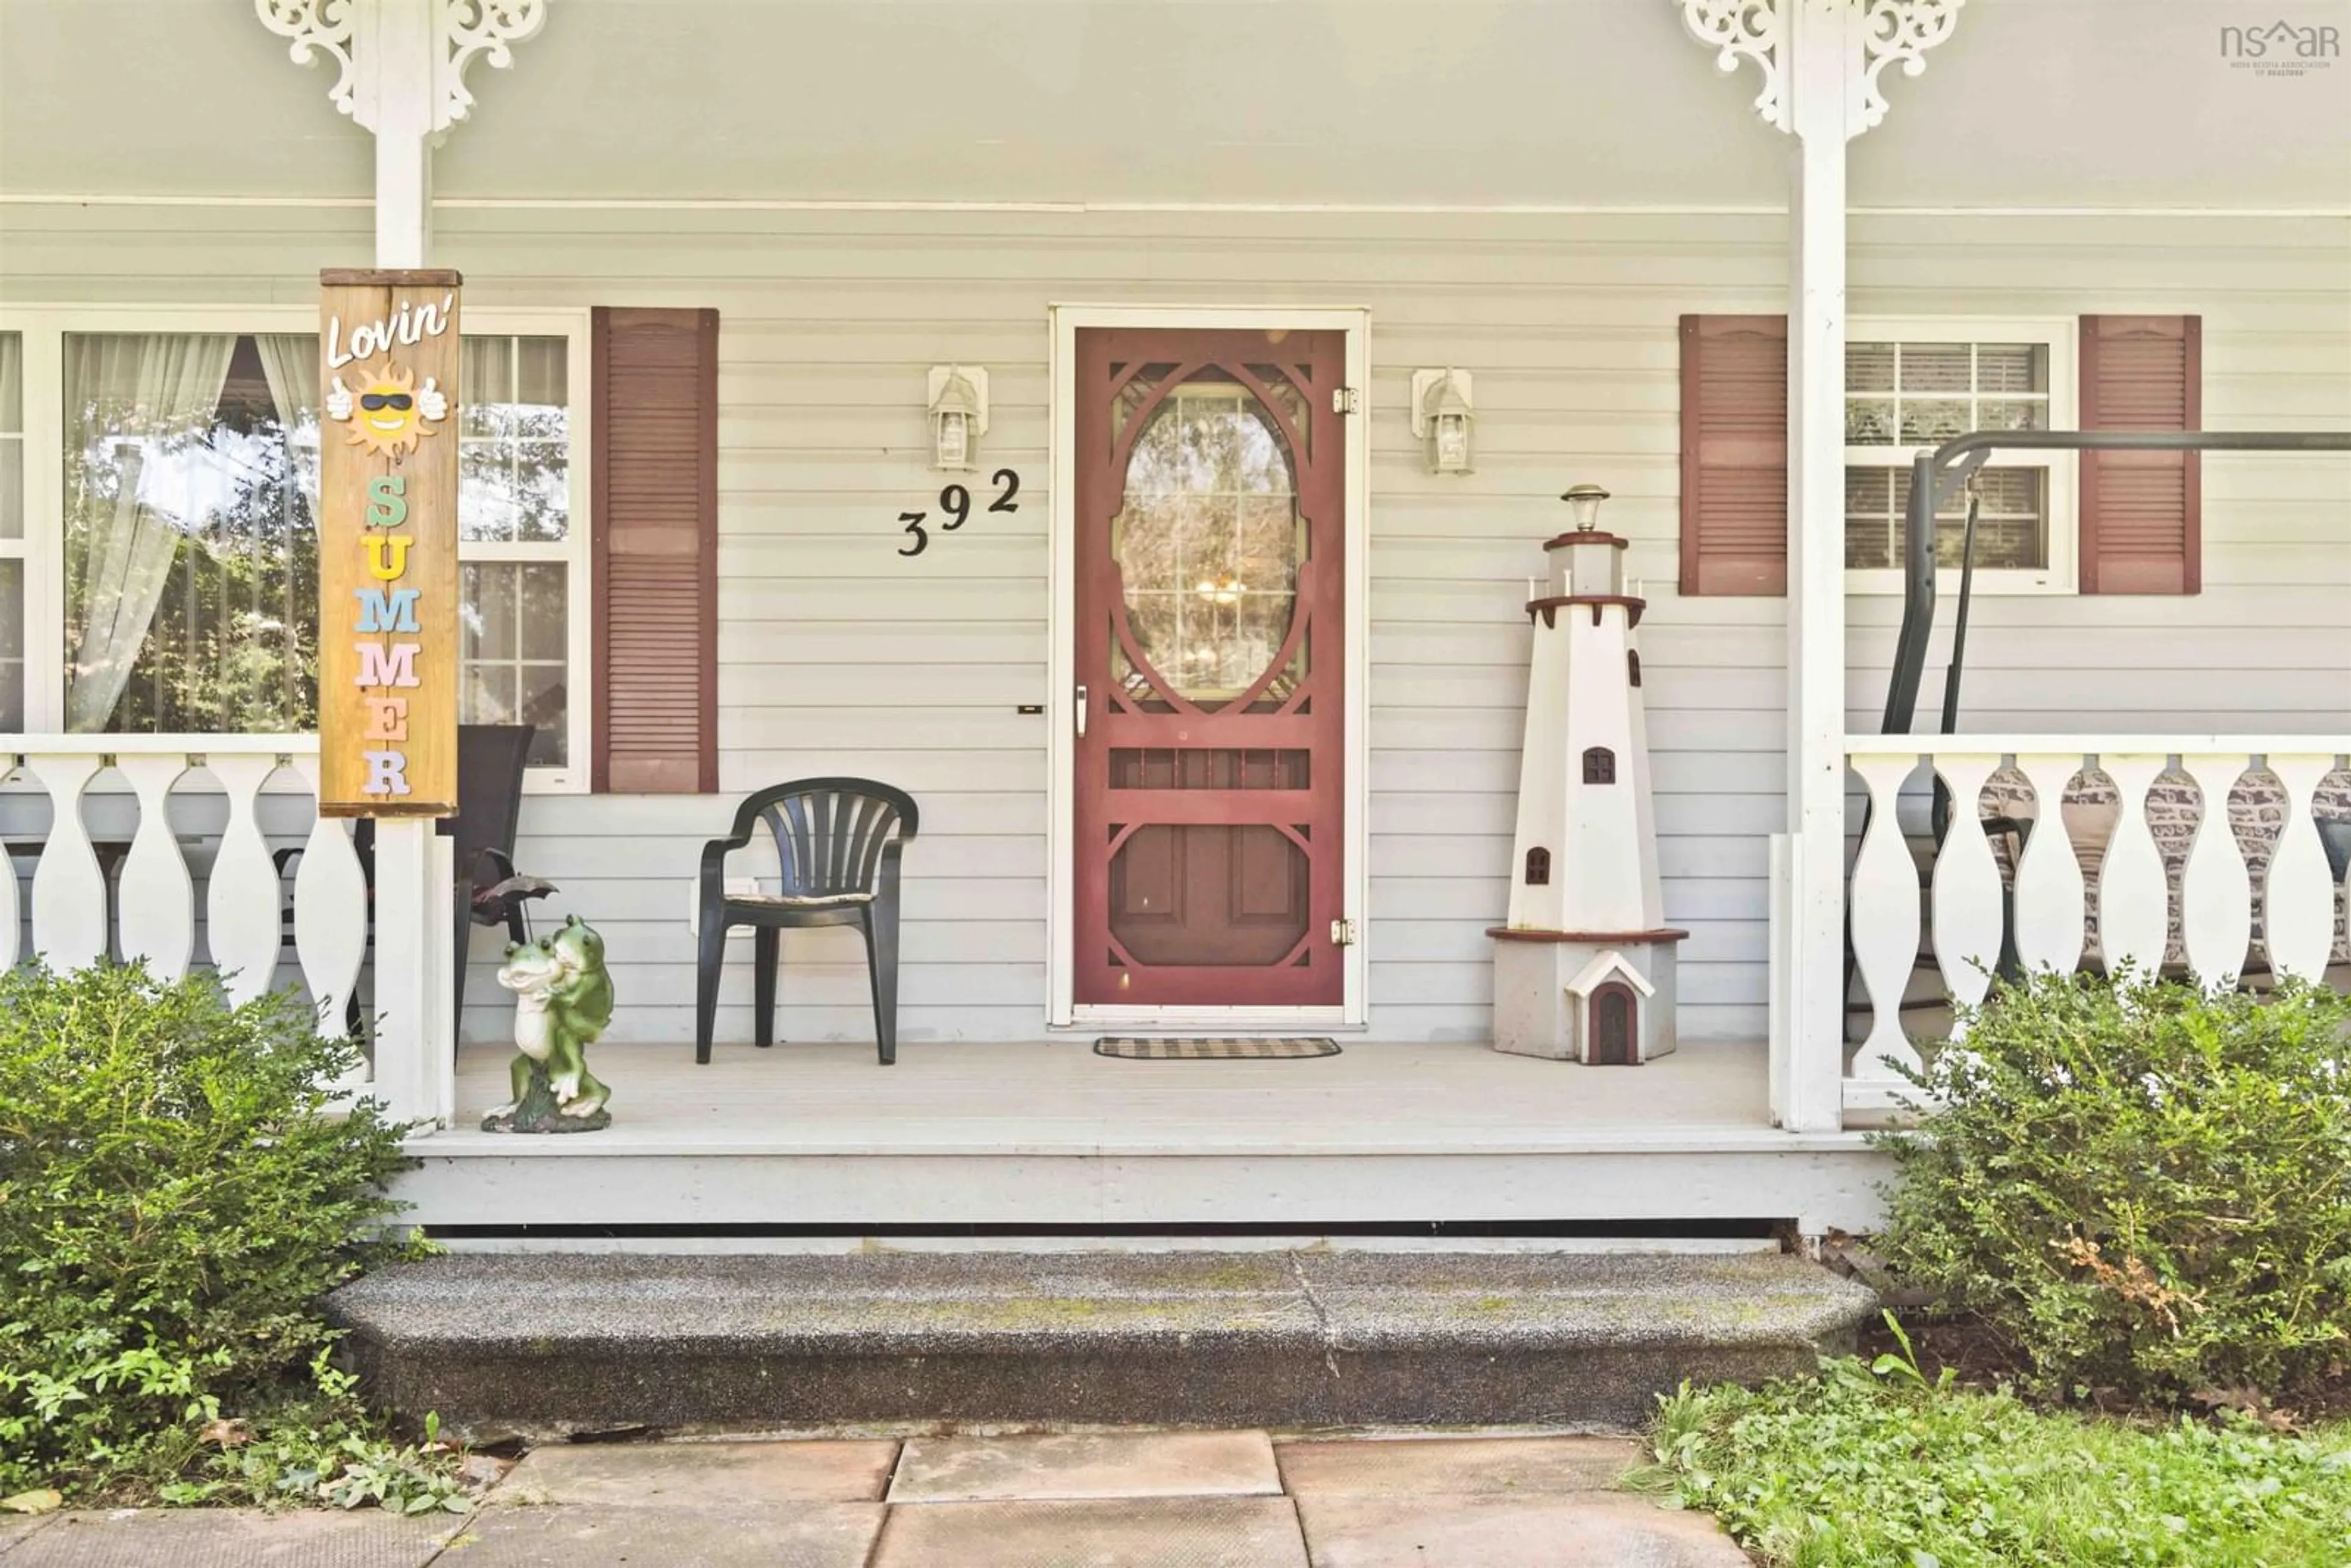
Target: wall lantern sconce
958,402
1584,506
1442,409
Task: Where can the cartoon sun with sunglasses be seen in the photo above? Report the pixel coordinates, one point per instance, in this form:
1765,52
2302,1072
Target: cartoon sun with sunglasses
389,414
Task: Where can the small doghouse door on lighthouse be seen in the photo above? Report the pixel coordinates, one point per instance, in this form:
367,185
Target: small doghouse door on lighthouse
1210,795
1614,1010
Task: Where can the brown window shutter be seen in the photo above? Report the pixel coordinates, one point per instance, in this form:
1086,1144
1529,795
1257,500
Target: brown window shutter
1734,455
657,551
2142,512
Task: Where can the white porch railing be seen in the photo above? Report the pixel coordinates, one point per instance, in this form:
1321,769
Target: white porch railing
2137,872
149,913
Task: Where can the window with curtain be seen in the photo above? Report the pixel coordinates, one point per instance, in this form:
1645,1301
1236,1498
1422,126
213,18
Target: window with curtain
191,560
515,514
189,547
12,533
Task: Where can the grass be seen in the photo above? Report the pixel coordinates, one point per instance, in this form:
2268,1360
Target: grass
1878,1467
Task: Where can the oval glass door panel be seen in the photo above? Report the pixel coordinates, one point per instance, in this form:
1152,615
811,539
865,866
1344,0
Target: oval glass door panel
1209,542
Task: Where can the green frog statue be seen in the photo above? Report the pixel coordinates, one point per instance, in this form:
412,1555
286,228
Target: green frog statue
563,1001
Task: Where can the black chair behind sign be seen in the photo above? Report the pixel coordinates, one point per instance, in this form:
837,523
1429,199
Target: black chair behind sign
838,841
487,891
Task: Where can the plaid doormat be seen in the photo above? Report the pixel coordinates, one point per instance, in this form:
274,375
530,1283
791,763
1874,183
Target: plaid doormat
1197,1047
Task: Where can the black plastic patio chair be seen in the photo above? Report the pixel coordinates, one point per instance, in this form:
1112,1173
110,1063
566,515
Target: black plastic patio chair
838,841
488,891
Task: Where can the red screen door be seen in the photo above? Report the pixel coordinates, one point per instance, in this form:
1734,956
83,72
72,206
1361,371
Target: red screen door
1210,541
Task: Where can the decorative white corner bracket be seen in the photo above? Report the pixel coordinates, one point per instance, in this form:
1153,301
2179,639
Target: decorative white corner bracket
1880,33
355,34
1745,30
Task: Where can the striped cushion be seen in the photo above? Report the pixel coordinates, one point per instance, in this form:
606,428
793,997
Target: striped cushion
800,900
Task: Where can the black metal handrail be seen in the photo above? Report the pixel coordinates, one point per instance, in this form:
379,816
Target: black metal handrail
1932,476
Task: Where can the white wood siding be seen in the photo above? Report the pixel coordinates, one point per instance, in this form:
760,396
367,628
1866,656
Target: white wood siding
2266,647
838,656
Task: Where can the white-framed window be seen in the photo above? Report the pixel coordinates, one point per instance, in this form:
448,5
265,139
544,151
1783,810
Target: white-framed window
522,519
164,559
1911,384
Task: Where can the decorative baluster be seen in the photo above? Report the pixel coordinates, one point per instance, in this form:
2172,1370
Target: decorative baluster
329,910
156,899
2049,893
1885,917
2215,891
2133,894
69,925
12,915
1967,915
242,918
2298,896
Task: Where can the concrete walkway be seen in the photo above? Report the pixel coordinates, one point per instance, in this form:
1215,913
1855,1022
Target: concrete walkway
1124,1499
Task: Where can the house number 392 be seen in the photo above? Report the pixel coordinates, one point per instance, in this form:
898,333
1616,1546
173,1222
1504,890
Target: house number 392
955,502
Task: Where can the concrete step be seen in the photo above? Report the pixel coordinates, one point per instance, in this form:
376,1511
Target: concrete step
549,1342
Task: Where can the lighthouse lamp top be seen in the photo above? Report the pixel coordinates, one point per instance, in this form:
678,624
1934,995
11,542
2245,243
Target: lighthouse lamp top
1583,505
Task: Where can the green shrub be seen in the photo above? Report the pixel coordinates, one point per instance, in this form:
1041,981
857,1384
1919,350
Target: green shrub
1885,1469
2138,1187
176,1195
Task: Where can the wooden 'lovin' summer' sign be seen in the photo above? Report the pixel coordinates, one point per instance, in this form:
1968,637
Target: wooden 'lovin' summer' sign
388,543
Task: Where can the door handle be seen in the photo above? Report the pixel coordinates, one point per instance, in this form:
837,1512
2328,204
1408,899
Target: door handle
1082,713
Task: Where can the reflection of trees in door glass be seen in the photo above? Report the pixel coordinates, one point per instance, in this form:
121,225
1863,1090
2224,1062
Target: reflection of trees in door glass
1209,539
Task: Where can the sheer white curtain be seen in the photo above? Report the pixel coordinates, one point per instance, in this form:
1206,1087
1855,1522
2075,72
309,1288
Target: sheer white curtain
289,363
128,398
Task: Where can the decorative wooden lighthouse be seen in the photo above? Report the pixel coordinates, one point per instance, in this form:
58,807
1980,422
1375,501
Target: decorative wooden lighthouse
1584,970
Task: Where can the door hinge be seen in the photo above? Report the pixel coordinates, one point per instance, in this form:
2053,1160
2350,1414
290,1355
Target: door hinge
1342,934
1346,400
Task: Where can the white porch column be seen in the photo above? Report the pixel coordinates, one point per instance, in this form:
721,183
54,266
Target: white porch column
1813,1081
402,75
1820,61
398,64
400,72
416,1047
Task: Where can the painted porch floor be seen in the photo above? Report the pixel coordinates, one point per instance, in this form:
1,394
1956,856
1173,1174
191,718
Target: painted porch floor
1059,1098
1046,1135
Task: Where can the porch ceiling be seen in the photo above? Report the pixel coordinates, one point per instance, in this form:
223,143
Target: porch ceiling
2050,103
